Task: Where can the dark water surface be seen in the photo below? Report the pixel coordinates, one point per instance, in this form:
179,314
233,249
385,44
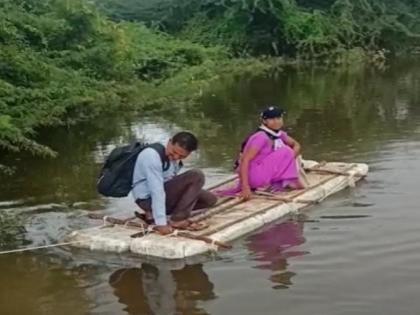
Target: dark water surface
356,253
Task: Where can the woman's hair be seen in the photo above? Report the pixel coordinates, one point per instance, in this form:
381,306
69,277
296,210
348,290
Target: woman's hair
272,112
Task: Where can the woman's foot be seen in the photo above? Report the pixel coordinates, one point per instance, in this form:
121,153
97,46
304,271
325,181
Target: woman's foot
296,185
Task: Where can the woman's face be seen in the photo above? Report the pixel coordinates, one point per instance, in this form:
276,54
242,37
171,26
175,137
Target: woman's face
274,123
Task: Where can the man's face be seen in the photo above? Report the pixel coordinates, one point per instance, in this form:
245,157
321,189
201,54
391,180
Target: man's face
174,152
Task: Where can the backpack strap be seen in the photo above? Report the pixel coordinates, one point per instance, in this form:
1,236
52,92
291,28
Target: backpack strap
160,148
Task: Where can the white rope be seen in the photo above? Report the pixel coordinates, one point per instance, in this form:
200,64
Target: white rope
143,230
174,233
105,218
352,180
19,250
147,230
213,246
106,224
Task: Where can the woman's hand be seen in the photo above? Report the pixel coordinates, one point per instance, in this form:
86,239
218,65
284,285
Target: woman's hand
246,193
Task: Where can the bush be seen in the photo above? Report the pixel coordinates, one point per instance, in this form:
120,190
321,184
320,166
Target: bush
62,62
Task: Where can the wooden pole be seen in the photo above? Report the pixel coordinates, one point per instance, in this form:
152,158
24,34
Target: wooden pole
211,212
334,172
270,196
144,225
230,179
318,169
217,229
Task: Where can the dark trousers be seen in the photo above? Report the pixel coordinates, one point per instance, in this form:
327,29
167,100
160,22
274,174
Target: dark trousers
184,193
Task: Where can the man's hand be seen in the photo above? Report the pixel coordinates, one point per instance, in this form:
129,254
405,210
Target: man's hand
163,229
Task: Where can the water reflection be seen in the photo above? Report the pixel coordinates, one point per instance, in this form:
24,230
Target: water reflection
273,247
156,290
39,285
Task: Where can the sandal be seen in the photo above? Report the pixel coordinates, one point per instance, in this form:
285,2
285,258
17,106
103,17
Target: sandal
143,216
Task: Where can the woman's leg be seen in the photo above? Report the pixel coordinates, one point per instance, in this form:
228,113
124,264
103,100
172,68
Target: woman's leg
278,167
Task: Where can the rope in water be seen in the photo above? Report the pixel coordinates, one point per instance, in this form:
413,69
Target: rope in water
26,249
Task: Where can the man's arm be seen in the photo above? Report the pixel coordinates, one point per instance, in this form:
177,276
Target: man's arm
151,165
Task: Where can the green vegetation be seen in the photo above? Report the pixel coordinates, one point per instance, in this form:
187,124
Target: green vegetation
62,61
303,28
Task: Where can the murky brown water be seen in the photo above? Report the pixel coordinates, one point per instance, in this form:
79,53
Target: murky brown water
357,253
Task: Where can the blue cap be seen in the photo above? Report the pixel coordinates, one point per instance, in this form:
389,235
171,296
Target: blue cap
272,112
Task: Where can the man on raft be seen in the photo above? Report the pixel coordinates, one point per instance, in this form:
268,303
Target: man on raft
161,191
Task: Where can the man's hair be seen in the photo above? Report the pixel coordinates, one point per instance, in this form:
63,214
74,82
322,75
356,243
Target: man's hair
185,140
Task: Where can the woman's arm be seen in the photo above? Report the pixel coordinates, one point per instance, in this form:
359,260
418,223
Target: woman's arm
247,156
293,144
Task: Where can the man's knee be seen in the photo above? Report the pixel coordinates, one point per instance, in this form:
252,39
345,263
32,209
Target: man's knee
206,199
211,199
196,177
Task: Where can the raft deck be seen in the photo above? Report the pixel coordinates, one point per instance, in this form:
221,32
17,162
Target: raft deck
229,219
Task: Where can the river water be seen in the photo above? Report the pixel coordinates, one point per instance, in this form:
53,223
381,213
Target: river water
356,253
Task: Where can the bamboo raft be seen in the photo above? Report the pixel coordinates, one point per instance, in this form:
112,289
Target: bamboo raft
229,219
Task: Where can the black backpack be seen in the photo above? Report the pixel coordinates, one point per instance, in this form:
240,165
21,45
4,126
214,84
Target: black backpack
244,142
116,176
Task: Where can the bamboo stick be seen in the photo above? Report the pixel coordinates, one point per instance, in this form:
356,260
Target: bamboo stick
228,224
144,225
113,220
270,196
333,172
231,179
211,212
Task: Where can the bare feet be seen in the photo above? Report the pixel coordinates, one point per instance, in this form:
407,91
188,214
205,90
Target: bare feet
296,185
163,229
